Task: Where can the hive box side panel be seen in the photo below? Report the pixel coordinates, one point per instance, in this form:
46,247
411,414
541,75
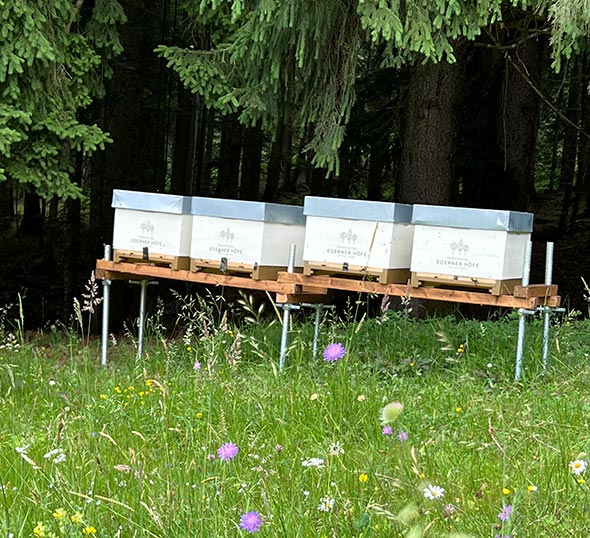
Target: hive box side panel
460,252
239,241
355,242
401,246
161,233
277,241
515,250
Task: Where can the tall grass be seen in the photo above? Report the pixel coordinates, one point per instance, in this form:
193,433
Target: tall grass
132,449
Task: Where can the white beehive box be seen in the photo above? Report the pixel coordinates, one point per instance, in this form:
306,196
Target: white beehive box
243,236
470,244
152,227
358,237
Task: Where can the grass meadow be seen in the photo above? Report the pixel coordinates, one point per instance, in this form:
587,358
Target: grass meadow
418,430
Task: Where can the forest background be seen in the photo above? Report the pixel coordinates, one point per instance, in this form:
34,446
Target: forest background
479,104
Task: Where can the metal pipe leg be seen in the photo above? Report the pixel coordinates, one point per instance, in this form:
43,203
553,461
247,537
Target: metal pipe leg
142,302
286,314
522,312
106,296
316,328
547,312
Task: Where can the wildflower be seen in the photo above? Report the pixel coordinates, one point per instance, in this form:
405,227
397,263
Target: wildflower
250,522
326,504
433,492
60,513
77,518
199,415
391,412
227,451
532,487
278,448
578,466
333,352
387,430
363,477
458,409
335,449
39,530
449,509
318,463
402,436
57,454
197,366
88,530
506,491
505,513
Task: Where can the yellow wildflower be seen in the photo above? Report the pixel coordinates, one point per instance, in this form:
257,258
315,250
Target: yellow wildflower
363,477
88,530
60,513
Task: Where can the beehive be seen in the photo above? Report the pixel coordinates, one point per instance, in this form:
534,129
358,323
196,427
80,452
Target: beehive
243,236
358,237
152,227
469,245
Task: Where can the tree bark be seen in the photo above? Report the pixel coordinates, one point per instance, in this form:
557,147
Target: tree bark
428,153
229,158
519,122
251,163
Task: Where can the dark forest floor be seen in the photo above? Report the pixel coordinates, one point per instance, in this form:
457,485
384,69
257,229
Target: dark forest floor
24,269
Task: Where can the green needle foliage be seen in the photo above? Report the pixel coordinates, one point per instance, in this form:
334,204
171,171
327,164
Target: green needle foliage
53,58
308,54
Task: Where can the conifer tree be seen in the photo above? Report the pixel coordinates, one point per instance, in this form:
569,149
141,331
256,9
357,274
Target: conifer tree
53,57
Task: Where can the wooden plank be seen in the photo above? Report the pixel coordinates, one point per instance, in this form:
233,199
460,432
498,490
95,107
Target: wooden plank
298,298
535,290
400,290
257,272
167,260
130,271
384,276
493,286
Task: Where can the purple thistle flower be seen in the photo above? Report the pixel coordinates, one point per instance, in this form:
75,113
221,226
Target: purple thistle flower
250,522
227,451
333,352
505,513
387,430
402,436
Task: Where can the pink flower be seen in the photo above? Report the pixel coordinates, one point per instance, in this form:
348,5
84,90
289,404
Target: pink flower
250,522
227,451
333,352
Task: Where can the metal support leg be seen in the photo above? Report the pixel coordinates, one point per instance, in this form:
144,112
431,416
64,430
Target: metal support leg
142,301
106,296
316,328
547,312
286,314
522,313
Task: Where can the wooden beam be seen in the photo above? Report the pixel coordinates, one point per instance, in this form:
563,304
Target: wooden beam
404,290
296,287
130,271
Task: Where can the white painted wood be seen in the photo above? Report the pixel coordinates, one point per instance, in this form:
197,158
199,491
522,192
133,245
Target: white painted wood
374,244
162,233
246,241
490,254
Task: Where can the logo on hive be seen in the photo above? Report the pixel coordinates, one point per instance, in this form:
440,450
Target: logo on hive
348,237
227,236
147,228
460,248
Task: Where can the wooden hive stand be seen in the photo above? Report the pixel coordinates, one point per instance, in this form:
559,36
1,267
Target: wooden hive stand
493,286
176,263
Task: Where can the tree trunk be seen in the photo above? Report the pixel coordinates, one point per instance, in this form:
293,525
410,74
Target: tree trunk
251,163
519,122
427,165
6,206
570,141
375,173
279,165
183,142
229,158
